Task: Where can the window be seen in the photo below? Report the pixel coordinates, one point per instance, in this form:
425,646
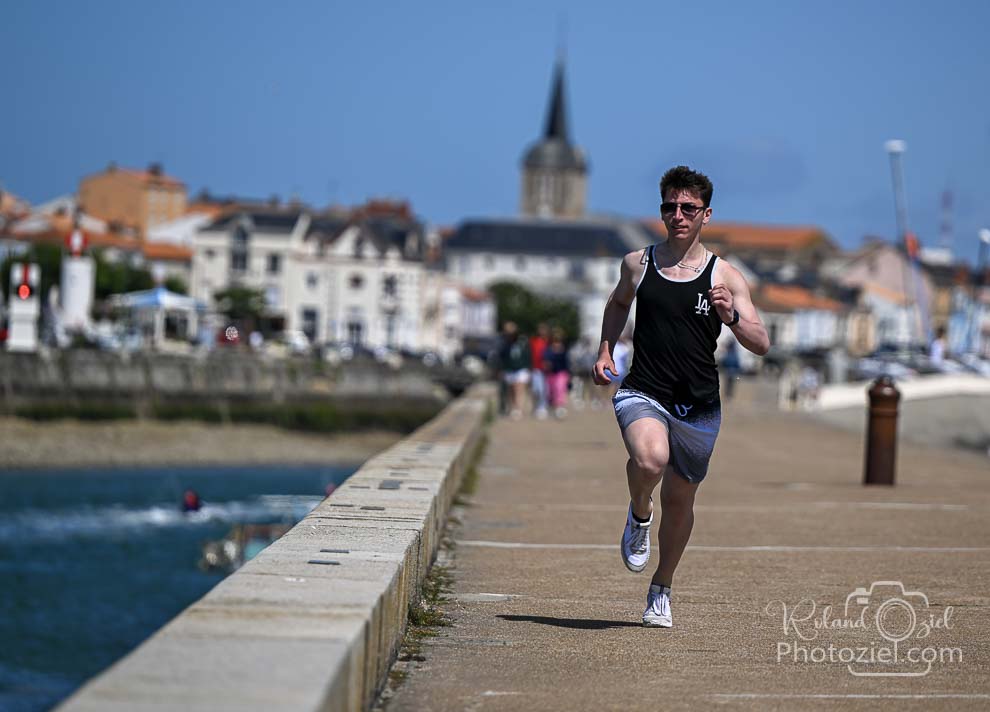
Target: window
356,281
520,263
355,332
239,250
272,297
209,253
390,286
274,263
312,279
489,262
310,318
577,269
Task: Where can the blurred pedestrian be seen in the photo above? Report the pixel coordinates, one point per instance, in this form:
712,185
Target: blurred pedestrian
538,382
557,367
809,388
936,352
514,365
582,361
731,368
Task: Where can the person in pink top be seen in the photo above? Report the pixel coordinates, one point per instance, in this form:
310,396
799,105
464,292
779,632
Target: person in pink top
538,384
558,372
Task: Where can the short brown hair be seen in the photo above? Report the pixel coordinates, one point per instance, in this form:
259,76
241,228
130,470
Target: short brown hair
683,178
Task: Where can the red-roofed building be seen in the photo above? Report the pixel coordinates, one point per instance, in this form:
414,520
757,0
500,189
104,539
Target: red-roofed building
12,208
790,298
54,222
764,247
798,319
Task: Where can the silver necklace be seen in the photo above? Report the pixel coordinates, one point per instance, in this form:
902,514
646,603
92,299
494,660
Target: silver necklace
696,270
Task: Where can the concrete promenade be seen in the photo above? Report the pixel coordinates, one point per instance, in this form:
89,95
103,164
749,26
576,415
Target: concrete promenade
544,615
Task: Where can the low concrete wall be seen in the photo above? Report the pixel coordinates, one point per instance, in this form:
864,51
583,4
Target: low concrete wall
315,620
847,395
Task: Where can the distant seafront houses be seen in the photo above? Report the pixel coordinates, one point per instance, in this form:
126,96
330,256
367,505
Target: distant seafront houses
372,276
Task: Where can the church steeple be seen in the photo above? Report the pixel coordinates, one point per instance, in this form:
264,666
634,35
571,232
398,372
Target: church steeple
554,180
557,111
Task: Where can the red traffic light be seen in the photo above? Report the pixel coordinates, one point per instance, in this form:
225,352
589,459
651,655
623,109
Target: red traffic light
24,291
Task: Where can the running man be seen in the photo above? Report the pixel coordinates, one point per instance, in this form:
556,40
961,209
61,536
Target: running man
668,406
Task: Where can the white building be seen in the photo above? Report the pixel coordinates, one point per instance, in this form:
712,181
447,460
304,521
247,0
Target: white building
577,260
366,278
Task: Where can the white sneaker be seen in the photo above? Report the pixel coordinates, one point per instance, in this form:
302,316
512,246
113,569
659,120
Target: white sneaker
635,544
657,613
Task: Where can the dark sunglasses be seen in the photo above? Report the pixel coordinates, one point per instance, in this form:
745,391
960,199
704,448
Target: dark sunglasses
688,210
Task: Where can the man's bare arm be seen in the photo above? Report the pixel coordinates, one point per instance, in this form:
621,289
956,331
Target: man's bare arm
617,313
732,295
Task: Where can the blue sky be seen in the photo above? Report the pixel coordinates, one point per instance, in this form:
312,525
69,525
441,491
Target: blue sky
785,105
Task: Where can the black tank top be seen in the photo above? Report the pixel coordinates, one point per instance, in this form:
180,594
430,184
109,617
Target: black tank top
675,337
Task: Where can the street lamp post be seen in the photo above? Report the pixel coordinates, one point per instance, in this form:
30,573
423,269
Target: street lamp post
895,149
979,283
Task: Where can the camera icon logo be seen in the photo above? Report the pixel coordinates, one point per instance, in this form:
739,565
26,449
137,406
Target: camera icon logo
892,609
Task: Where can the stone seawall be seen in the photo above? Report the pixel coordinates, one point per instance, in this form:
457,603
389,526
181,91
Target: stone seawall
314,621
78,376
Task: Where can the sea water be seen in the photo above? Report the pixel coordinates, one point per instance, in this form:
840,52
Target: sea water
93,561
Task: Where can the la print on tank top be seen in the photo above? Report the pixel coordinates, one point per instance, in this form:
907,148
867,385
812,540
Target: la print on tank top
675,337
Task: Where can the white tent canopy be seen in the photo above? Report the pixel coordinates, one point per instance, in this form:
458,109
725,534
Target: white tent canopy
151,305
157,298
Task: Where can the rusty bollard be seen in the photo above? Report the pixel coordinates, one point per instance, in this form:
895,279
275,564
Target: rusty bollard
881,432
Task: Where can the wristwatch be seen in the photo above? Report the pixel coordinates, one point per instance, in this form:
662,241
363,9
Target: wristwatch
735,318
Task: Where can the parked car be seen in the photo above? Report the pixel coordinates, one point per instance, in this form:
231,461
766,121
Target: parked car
975,364
867,369
385,355
296,342
336,352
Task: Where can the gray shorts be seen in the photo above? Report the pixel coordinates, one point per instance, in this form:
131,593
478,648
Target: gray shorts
691,430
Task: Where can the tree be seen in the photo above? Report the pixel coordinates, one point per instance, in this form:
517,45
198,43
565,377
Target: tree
528,309
176,284
241,304
119,277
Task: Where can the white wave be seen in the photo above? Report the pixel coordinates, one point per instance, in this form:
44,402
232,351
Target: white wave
31,524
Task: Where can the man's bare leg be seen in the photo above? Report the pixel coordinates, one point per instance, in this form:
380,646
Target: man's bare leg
676,521
646,443
518,395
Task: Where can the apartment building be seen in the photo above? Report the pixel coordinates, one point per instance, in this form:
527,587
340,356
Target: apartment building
129,198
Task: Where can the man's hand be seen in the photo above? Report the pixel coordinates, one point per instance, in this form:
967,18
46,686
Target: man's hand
722,301
598,372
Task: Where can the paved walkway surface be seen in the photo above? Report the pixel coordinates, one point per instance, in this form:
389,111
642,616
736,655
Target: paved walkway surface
544,615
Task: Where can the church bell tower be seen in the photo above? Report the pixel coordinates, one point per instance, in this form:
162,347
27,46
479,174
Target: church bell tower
555,171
